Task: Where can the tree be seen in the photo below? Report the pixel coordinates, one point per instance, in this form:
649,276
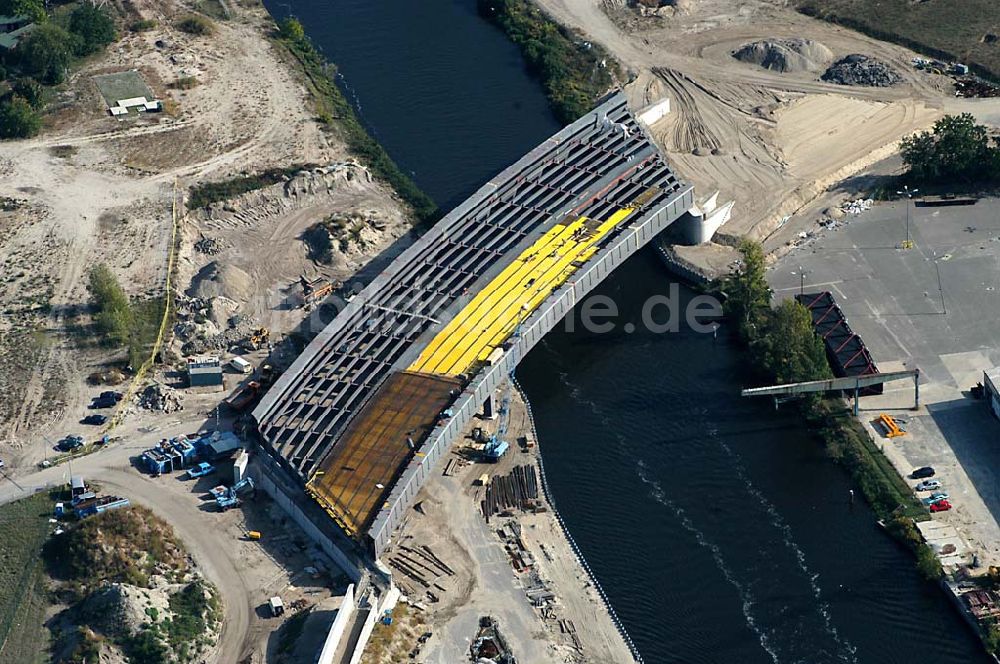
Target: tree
45,53
93,26
956,147
290,28
114,312
788,349
748,297
17,118
33,9
28,89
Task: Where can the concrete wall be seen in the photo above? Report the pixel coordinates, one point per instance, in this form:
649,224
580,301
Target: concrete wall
269,480
543,319
336,633
698,227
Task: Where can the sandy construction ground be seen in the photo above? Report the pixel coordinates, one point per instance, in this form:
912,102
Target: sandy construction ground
775,142
93,189
574,627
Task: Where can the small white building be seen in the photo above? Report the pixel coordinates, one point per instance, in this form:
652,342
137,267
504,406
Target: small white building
141,104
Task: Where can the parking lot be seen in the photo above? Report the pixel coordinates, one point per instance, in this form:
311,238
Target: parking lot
931,307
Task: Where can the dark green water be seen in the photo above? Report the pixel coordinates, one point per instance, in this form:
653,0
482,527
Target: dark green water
715,525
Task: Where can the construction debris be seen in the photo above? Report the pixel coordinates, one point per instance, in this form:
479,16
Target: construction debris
159,397
489,645
858,206
857,69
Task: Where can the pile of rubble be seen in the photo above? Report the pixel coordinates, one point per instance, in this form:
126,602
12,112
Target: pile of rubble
860,69
160,398
858,206
209,246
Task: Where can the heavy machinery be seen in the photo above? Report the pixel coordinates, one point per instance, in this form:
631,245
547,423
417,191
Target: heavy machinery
258,338
227,498
241,399
314,290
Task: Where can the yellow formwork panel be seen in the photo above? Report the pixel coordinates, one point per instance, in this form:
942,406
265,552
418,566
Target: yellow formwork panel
493,313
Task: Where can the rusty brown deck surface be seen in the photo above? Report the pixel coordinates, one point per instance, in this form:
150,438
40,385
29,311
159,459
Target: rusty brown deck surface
373,449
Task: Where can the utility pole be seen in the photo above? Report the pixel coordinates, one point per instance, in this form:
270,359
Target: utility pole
908,193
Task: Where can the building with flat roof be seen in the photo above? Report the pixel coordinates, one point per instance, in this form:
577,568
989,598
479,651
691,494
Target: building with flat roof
204,371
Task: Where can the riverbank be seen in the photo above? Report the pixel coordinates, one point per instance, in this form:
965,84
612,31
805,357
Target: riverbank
520,566
333,109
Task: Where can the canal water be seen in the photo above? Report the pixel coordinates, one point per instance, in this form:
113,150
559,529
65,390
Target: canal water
716,526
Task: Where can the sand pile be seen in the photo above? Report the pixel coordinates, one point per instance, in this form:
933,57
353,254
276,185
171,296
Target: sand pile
216,280
860,69
119,609
785,55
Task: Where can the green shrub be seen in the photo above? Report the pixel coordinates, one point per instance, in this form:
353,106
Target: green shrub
196,25
203,195
28,89
17,118
291,28
93,26
185,83
142,25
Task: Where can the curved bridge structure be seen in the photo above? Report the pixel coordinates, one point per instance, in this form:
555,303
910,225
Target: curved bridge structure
362,417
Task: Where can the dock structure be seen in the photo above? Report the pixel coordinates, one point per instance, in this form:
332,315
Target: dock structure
363,415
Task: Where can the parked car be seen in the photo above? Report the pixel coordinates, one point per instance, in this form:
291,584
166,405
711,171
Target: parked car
928,485
111,394
921,473
94,419
201,470
935,497
70,443
941,506
103,402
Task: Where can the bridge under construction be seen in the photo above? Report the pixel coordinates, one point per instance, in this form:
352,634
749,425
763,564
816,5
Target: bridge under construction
364,414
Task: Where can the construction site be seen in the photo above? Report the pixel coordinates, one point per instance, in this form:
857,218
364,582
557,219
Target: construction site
364,415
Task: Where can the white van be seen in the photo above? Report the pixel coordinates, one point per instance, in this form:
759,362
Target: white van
241,365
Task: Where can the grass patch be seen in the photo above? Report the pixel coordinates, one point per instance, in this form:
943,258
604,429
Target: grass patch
23,599
124,546
142,25
199,26
333,110
574,72
203,195
185,83
849,444
943,29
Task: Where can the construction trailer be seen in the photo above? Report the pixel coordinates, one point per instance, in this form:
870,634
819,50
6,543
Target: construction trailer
96,505
203,371
169,455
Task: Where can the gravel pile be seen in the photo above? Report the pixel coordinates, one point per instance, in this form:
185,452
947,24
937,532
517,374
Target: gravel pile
160,398
862,70
785,55
119,609
209,246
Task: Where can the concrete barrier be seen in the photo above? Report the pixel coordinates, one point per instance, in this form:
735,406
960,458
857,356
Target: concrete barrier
344,614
